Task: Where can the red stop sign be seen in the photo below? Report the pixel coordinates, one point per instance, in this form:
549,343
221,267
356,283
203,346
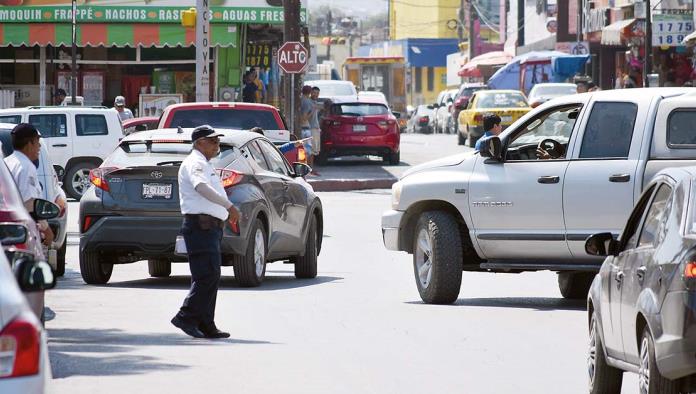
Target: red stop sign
293,57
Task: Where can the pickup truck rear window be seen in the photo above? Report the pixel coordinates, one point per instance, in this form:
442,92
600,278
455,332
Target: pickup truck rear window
680,129
609,131
225,118
14,119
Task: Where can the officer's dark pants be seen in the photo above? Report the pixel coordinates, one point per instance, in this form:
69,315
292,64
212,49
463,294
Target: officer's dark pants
203,246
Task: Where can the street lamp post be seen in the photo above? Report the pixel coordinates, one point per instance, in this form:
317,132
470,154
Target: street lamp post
73,76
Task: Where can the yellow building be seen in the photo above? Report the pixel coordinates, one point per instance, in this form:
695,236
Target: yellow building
422,18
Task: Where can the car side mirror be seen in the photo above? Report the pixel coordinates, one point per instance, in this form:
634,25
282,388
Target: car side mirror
33,275
60,171
301,169
493,148
601,244
44,209
12,234
397,115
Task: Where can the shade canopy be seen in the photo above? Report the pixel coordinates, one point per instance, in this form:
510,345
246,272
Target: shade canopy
538,67
473,67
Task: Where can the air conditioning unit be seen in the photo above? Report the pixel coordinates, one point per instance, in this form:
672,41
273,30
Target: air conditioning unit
227,94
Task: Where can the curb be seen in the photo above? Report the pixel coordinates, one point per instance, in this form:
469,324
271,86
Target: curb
342,185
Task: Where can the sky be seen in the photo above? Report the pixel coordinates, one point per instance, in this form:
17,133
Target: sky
355,6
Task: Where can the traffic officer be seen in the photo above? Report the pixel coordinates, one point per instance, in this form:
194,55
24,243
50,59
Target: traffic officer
205,207
26,145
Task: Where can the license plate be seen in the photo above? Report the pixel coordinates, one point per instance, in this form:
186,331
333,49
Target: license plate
157,190
506,119
359,127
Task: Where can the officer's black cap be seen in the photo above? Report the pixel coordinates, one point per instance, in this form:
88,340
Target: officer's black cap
25,130
204,131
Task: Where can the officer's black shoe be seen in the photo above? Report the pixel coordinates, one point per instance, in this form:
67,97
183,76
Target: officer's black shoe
188,328
213,332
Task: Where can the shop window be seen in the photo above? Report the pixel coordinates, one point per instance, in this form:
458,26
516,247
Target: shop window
617,117
680,129
91,125
419,80
431,79
50,125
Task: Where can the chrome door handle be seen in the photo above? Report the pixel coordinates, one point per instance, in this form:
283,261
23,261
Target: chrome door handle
617,178
640,272
59,145
548,179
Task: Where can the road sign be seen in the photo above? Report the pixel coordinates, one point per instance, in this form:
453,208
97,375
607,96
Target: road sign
293,57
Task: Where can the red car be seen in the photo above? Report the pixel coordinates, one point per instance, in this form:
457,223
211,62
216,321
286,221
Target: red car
139,124
360,128
233,116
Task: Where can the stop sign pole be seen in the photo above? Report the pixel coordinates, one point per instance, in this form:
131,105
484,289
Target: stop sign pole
292,59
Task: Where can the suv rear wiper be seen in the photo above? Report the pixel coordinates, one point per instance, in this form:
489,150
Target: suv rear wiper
172,162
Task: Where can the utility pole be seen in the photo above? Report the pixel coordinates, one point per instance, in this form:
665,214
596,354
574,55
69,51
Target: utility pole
328,29
472,27
647,64
292,86
73,72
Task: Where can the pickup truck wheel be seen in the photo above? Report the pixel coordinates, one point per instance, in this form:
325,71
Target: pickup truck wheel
575,285
93,271
60,261
159,268
250,269
650,381
437,258
306,266
603,377
77,179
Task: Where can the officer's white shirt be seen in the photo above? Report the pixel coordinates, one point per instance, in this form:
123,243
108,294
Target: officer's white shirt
194,170
25,175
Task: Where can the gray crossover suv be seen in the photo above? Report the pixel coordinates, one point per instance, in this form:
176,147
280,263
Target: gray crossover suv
132,212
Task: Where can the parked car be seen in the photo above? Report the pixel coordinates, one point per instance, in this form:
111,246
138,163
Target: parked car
607,145
510,105
461,100
24,363
543,92
234,116
373,97
442,111
421,121
77,138
140,124
51,191
132,211
641,303
335,90
360,128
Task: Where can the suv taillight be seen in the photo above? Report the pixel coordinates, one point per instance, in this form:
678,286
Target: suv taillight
19,349
97,177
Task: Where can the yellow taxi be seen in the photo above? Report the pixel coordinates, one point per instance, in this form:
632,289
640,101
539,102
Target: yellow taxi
510,105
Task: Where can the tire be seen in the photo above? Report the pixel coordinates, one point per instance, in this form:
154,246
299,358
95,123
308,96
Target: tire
461,140
652,382
603,378
93,272
438,271
159,268
574,285
60,261
77,179
306,266
250,269
394,158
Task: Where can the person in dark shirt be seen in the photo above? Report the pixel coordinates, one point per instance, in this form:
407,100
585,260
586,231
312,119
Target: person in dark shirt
491,127
250,88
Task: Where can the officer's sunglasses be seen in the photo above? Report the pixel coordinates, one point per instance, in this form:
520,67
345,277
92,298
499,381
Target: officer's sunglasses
214,140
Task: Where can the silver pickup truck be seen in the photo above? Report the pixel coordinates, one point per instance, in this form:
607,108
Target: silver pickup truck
505,210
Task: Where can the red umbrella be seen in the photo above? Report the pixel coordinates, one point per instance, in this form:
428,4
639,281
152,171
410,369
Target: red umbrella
471,68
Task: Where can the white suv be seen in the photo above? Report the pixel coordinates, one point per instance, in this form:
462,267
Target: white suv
77,138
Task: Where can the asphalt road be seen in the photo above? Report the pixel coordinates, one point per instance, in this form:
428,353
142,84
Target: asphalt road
358,327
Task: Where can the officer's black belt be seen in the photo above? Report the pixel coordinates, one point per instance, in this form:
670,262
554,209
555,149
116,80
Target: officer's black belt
205,222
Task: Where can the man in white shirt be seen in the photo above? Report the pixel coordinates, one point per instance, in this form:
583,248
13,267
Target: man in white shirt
205,207
26,145
120,106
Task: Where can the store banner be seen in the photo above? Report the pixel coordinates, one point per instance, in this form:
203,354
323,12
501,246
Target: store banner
128,11
669,30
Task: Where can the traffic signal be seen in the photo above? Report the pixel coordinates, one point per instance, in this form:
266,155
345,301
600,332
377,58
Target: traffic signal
188,17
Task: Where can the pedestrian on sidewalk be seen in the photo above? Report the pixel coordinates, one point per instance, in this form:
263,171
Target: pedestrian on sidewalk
120,106
306,111
205,207
314,125
249,90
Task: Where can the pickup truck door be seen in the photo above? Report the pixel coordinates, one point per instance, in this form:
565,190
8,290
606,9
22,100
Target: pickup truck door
598,190
517,205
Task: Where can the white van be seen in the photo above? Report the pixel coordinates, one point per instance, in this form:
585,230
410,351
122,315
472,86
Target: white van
78,139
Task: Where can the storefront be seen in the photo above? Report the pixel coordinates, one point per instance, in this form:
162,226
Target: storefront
139,51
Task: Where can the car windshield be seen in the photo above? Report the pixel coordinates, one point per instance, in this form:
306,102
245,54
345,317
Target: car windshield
553,90
142,154
225,118
468,91
355,109
335,89
501,100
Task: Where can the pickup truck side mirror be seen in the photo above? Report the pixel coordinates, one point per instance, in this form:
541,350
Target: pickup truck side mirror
601,244
493,148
